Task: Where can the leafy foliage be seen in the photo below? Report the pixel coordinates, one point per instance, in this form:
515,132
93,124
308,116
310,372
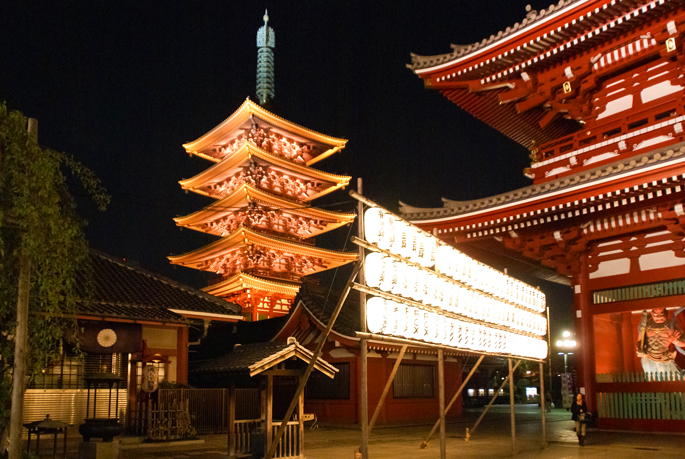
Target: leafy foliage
38,218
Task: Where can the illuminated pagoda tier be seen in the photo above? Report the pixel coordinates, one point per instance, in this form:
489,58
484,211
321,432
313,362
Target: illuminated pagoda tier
594,89
263,184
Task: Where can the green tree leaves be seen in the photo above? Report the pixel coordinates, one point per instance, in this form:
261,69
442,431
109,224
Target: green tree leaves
38,217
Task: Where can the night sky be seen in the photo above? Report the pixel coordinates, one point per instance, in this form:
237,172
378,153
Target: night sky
121,85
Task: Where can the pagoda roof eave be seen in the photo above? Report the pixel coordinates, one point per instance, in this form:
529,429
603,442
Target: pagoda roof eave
243,154
245,236
244,280
535,196
248,193
530,27
504,80
249,108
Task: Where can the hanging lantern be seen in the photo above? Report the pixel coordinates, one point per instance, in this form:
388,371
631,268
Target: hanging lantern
376,314
374,229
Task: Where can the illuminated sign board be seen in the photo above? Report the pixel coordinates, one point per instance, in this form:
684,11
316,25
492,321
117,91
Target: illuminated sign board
430,292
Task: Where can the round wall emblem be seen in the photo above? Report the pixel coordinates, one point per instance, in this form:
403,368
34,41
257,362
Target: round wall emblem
107,337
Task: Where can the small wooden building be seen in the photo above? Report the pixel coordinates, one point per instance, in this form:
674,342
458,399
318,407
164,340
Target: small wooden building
275,367
414,395
128,317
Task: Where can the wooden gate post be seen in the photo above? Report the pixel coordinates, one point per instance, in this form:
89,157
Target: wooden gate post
231,421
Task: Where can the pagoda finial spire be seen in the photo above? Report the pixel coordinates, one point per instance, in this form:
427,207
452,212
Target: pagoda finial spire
266,42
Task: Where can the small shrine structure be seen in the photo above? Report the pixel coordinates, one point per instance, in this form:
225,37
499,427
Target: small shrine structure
280,363
594,89
263,185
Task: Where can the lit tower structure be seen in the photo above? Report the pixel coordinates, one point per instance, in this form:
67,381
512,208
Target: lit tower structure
263,183
594,89
266,42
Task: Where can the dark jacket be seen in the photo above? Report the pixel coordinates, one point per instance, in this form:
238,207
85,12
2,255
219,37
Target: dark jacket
577,409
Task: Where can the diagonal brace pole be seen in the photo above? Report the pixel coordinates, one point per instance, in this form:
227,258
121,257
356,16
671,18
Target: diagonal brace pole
310,367
426,442
386,389
494,397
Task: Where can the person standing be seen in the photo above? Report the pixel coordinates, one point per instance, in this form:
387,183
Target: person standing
579,414
548,401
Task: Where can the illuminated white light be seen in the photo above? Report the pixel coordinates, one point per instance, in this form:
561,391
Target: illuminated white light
465,287
566,334
395,319
560,343
458,266
399,237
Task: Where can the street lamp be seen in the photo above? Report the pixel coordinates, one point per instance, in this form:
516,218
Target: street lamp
566,345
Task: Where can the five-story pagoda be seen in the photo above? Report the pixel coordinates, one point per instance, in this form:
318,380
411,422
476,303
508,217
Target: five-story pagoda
262,182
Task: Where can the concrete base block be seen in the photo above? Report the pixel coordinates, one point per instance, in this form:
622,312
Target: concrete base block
98,450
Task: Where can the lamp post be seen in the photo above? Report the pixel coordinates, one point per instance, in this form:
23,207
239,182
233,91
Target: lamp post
566,345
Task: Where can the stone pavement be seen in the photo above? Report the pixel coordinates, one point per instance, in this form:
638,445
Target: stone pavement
491,440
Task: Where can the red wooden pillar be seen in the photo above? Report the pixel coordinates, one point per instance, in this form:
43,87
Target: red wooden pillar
628,343
231,421
182,355
584,323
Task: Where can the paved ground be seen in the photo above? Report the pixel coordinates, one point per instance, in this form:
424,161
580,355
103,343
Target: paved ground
491,440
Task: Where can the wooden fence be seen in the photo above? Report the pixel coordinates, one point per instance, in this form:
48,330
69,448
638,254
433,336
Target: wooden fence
208,408
169,421
655,405
242,431
641,401
290,445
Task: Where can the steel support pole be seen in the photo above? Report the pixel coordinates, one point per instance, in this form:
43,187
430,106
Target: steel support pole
441,402
386,389
426,442
492,400
317,353
543,408
511,405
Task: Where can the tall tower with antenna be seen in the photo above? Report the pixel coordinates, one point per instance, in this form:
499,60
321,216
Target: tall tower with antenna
262,184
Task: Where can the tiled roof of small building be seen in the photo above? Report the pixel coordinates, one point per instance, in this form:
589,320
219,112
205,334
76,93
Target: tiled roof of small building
532,17
255,358
241,358
124,290
321,304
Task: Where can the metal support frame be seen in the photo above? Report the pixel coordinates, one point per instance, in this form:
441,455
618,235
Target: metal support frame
426,442
386,389
310,367
494,397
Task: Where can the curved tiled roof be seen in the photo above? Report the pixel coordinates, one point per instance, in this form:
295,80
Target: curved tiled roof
321,304
256,358
532,17
116,288
457,208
